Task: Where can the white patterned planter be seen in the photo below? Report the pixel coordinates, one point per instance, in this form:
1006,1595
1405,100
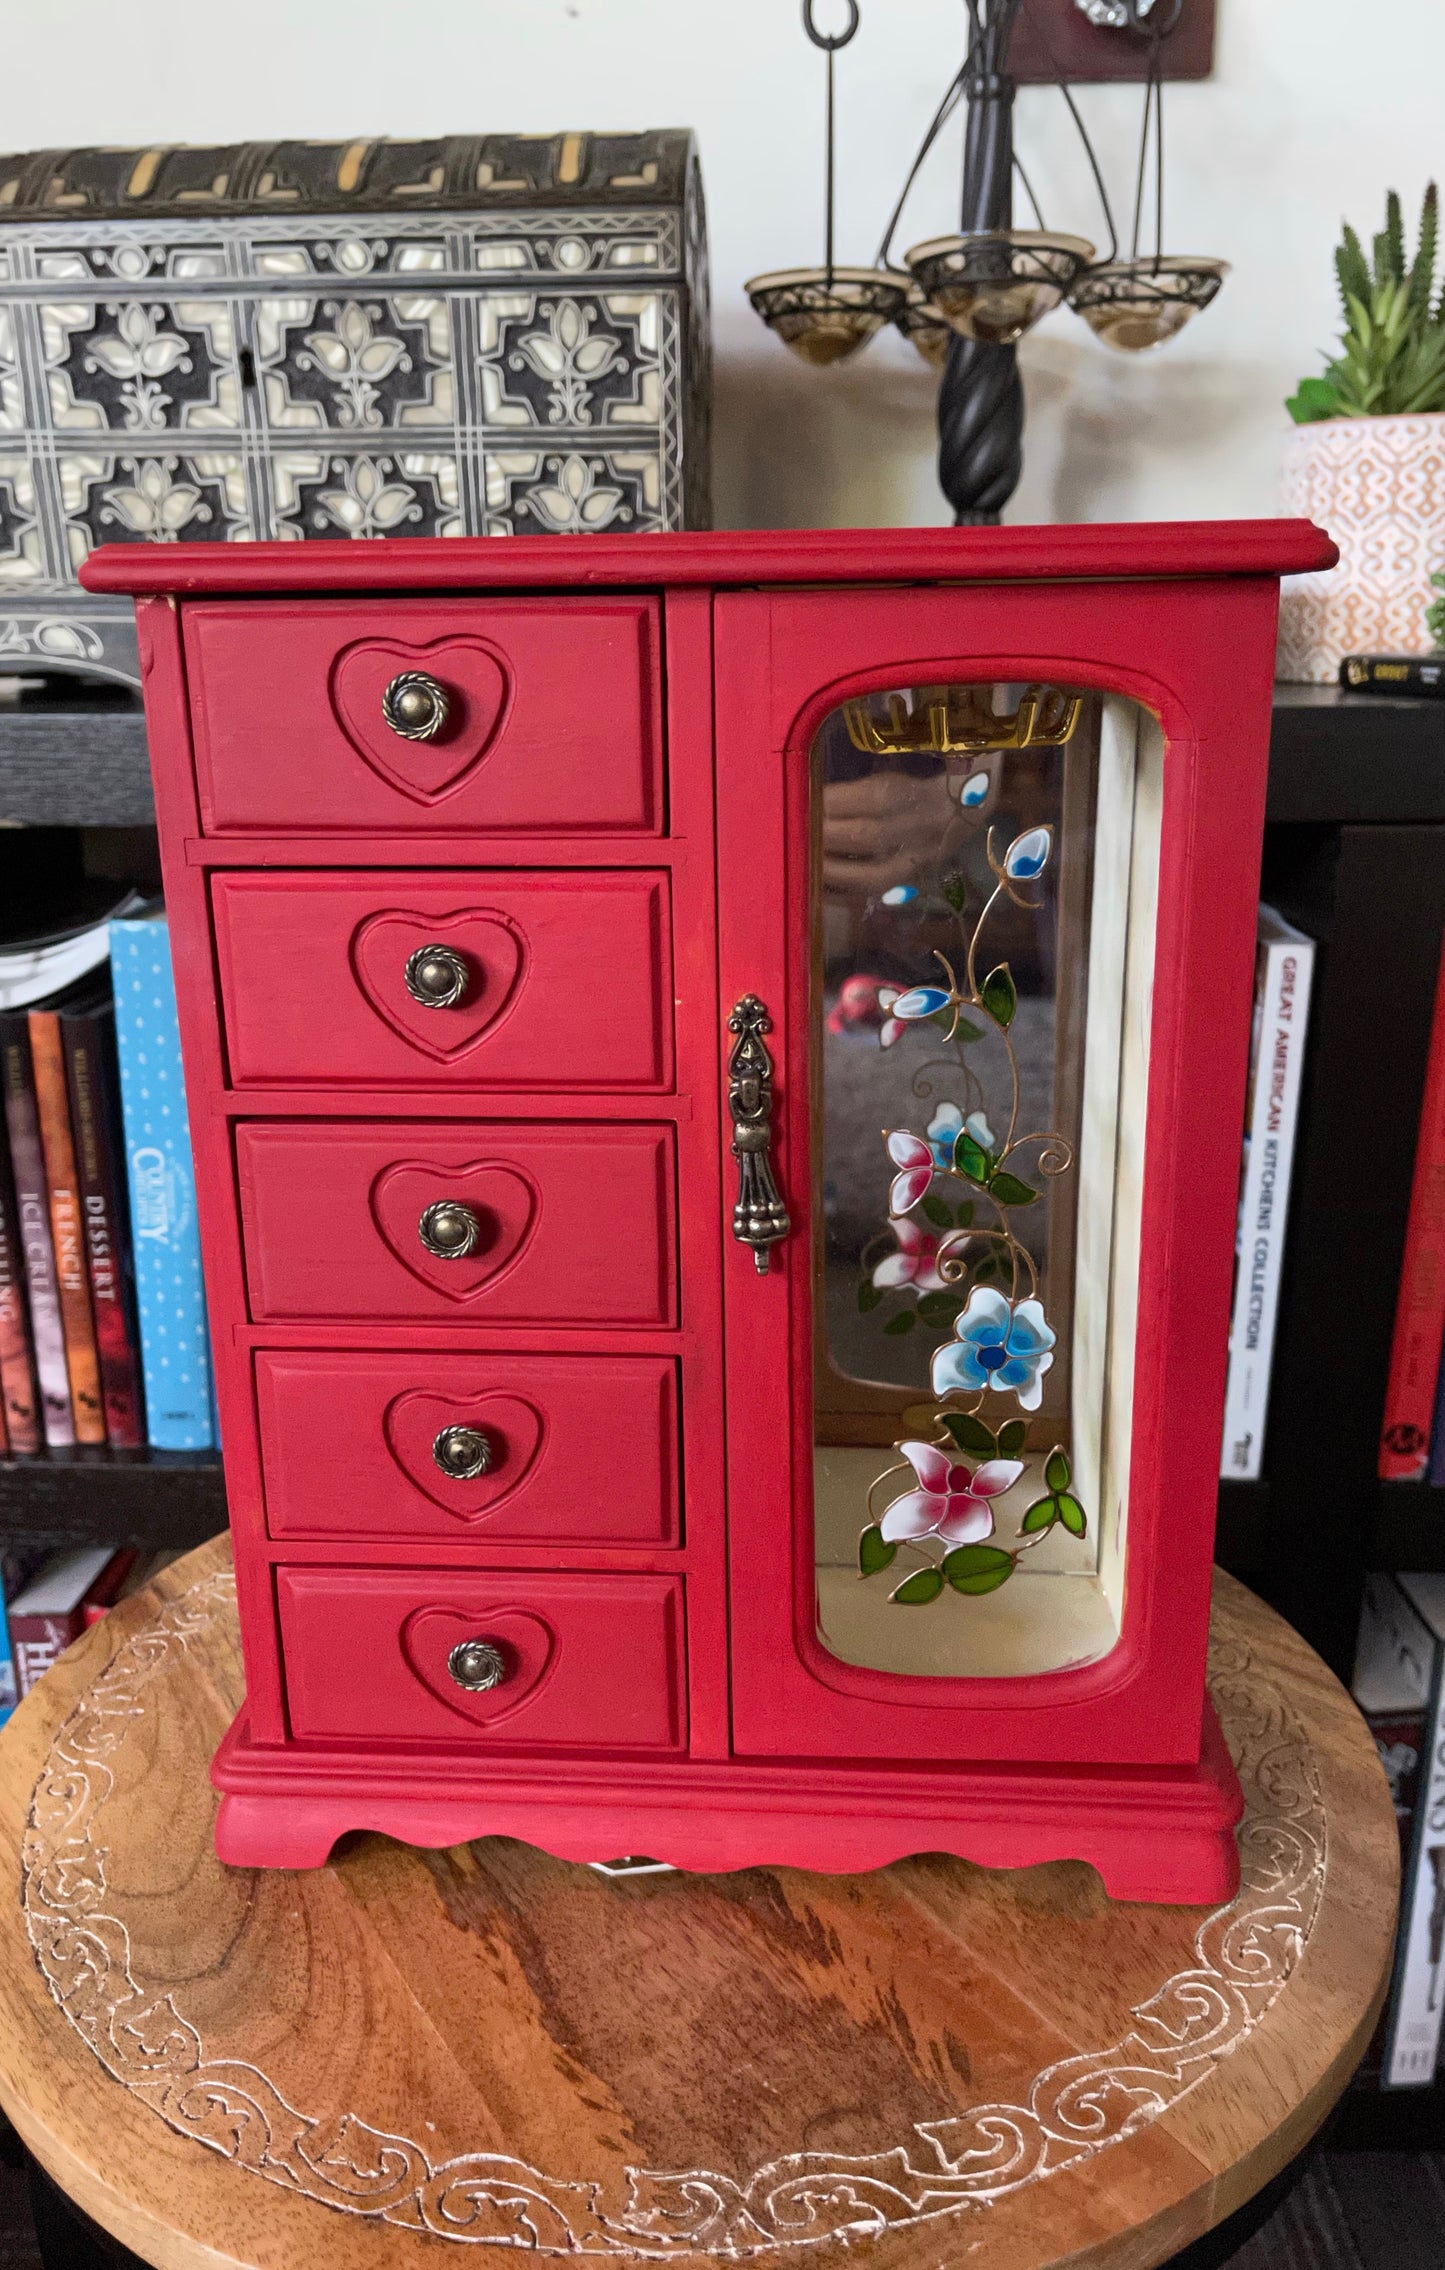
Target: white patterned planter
1378,486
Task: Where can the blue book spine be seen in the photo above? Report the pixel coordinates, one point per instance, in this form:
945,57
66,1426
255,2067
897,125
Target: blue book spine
175,1346
9,1686
1436,1470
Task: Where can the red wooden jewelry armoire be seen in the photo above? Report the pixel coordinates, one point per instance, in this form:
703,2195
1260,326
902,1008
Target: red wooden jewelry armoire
716,1066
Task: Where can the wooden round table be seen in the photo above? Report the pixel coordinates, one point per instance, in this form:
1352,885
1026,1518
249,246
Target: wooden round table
407,2053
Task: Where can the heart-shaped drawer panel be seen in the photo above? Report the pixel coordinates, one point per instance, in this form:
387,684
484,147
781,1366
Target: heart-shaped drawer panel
507,1657
332,717
476,1449
486,1222
446,979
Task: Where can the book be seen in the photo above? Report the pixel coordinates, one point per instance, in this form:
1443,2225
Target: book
50,939
67,1229
17,1565
1394,674
32,1213
108,1587
87,1031
1435,1470
1419,1334
17,1370
1415,2014
1284,970
48,1613
175,1349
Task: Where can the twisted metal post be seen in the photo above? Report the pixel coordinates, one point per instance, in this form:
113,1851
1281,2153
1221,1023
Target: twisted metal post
980,401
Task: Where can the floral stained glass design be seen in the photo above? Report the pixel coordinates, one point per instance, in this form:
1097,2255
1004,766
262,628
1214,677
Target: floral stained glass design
939,859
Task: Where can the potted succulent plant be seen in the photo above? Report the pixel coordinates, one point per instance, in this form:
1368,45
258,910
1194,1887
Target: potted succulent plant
1367,457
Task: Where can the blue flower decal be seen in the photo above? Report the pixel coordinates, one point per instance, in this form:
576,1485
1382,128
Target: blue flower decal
922,1001
999,1345
1028,855
902,894
948,1123
974,791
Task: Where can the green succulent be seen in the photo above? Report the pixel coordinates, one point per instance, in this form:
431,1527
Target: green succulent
1391,359
1435,612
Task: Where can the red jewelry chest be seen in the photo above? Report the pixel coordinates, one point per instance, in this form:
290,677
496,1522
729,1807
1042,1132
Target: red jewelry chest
716,1067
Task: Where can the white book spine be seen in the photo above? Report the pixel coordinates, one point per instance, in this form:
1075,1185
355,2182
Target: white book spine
1287,968
1417,2005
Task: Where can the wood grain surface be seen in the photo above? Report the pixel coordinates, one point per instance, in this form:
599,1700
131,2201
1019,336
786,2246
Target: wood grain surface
373,2062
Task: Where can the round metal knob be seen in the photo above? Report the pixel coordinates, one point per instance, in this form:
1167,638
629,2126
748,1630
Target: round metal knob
450,1230
436,976
463,1452
415,706
477,1664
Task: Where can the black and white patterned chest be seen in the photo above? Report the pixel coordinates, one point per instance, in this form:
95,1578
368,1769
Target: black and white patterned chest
481,335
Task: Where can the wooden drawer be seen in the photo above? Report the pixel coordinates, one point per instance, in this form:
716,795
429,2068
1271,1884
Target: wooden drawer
589,1662
574,1223
553,721
314,979
579,1450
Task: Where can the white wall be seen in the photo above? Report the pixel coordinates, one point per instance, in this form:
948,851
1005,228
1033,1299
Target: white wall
1316,107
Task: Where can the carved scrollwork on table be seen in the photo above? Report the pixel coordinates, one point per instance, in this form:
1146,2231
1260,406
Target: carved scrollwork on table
1243,1957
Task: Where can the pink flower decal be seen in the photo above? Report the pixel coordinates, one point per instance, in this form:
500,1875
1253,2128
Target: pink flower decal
916,1159
950,1502
915,1262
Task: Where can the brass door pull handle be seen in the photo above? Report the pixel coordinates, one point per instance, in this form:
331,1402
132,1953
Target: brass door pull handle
450,1230
760,1218
478,1665
436,976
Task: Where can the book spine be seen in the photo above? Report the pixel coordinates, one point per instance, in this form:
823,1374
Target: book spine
67,1230
1286,969
36,1641
93,1082
1436,1471
32,1211
17,1370
175,1351
1420,1308
1417,1999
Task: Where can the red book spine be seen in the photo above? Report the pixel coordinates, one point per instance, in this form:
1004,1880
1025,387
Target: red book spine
94,1084
32,1213
17,1371
37,1641
1420,1311
73,1279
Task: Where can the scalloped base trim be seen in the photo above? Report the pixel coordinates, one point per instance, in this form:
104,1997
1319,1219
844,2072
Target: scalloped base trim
1159,1835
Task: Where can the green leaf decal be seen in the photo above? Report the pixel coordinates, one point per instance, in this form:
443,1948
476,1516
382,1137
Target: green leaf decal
1000,995
970,1433
1009,1191
1012,1436
1072,1514
1056,1472
904,1321
940,1309
986,1271
955,892
940,1215
970,1158
1042,1514
965,1213
869,1294
963,1030
977,1568
917,1590
874,1551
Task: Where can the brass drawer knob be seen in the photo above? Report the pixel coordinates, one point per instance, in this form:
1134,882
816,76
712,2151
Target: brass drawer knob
477,1665
436,976
463,1452
415,705
450,1230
